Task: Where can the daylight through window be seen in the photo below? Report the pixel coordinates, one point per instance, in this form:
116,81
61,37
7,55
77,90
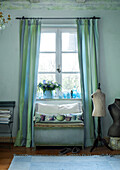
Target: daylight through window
58,60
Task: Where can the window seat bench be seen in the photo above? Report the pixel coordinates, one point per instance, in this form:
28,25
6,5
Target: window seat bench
59,133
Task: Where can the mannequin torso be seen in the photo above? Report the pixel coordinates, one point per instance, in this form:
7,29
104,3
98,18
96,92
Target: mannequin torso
99,104
114,109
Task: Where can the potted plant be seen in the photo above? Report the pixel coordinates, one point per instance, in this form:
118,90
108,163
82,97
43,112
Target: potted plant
48,87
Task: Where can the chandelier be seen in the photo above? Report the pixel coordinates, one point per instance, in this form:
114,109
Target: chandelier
3,21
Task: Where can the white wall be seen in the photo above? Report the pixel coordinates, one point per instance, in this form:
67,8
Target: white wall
109,29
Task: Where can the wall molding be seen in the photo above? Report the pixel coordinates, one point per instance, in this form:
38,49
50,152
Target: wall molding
61,4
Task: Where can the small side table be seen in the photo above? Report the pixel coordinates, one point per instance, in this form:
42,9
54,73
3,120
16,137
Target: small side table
6,117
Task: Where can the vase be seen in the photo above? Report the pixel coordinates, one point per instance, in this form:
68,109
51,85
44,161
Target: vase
48,94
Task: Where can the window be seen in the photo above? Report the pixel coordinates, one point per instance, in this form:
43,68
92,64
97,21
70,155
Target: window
58,59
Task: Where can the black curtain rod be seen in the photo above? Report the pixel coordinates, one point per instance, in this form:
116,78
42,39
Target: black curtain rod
58,18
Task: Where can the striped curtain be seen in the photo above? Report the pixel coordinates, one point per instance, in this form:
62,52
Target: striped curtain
29,53
87,33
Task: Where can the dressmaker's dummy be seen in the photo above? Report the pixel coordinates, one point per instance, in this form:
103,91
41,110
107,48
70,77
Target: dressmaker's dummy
99,103
99,111
114,109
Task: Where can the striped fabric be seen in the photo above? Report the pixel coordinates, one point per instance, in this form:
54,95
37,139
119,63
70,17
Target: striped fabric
87,31
29,53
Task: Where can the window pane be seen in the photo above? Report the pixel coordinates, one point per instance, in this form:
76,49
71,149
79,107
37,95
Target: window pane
42,77
69,42
69,81
70,62
48,41
47,62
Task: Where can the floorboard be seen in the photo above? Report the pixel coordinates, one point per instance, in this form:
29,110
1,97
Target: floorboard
7,153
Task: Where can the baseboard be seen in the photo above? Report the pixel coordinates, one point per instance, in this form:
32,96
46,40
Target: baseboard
6,139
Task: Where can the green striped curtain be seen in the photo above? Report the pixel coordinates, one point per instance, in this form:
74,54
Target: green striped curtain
87,33
29,54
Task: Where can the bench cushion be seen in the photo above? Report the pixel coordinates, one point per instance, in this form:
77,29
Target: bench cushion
58,108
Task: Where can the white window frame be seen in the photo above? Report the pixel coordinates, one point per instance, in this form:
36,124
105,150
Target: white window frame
58,30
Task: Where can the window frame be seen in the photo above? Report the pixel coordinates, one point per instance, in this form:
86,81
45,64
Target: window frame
59,30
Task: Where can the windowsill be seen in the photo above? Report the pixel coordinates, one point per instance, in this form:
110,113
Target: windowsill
58,99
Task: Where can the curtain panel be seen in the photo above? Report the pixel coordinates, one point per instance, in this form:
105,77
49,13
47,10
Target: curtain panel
29,55
87,33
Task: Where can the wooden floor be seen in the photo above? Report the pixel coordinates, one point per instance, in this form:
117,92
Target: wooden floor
7,153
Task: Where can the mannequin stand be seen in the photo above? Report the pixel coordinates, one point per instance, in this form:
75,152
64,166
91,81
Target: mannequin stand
99,139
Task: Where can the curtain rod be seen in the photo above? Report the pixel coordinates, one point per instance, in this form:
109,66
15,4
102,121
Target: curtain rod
58,18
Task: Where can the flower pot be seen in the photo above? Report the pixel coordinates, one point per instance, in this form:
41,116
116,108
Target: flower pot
48,94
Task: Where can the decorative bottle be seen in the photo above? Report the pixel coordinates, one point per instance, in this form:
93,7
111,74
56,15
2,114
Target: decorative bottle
74,92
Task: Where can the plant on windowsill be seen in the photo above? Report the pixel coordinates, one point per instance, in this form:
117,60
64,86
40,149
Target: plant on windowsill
48,87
